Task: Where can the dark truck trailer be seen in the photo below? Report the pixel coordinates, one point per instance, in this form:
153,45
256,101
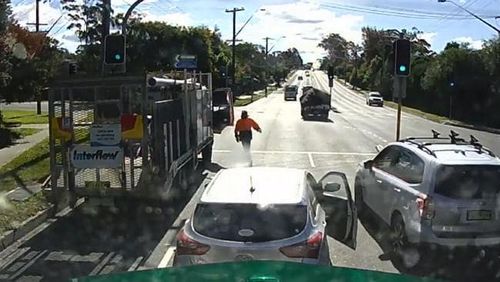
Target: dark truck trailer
223,108
314,103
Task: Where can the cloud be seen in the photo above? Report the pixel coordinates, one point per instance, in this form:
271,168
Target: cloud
311,38
428,36
474,44
293,19
182,19
26,13
303,23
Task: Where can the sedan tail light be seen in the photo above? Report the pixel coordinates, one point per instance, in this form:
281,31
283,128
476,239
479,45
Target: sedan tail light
425,207
306,249
188,246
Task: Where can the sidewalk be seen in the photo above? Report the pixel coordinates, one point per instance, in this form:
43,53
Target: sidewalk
21,145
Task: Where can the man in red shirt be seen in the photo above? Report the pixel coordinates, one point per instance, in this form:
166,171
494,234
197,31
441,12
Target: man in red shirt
243,130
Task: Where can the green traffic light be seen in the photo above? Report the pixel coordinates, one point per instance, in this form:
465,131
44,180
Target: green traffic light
402,68
118,57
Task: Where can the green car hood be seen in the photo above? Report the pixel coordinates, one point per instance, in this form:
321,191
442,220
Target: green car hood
255,271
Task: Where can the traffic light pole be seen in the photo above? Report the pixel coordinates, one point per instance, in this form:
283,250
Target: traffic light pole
400,88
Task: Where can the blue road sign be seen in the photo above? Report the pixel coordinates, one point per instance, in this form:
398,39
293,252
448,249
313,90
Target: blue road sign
186,62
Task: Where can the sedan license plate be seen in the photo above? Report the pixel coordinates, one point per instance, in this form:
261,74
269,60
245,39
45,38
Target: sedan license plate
479,215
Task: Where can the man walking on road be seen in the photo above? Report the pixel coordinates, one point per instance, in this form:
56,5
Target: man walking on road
243,130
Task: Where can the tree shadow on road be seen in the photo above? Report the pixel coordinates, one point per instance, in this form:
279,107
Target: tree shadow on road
464,264
101,239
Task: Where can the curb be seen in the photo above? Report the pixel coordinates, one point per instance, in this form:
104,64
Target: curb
480,128
27,226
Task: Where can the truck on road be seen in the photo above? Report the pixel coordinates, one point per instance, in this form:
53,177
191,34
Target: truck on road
314,103
128,137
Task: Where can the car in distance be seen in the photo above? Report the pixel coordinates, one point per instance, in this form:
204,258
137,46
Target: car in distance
265,213
374,98
291,92
435,192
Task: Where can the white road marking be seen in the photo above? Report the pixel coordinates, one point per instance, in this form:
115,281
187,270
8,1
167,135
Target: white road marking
136,263
304,152
168,256
26,266
101,265
311,161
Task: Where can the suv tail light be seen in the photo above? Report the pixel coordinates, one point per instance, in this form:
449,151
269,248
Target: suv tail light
188,246
306,249
425,207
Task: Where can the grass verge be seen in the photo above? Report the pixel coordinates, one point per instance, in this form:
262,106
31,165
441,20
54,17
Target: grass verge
23,117
240,102
429,116
247,100
29,167
12,214
23,132
390,104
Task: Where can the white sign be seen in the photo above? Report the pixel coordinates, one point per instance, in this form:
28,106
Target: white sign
85,156
105,134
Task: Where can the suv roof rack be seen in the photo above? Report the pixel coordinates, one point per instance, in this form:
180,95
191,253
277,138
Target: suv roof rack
453,139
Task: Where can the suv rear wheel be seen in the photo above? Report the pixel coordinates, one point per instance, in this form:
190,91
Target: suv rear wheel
406,253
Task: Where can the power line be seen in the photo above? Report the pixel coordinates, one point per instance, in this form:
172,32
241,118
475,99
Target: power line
407,13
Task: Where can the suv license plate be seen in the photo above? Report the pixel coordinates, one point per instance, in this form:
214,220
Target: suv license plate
479,215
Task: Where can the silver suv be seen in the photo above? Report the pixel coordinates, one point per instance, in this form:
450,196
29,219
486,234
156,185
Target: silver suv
433,191
265,213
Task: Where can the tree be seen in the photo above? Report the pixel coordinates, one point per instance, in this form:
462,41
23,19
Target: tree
460,73
5,21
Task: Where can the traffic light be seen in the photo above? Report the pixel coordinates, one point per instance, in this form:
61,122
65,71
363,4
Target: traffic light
402,57
330,72
114,50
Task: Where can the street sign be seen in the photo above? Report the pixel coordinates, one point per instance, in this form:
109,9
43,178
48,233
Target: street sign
85,156
105,134
399,87
186,62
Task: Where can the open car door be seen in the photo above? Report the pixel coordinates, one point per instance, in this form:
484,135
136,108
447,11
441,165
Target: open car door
334,196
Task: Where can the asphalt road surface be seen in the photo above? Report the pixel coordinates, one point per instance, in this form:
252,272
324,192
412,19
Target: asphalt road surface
91,242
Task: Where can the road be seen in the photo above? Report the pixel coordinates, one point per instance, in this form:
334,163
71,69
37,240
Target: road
80,243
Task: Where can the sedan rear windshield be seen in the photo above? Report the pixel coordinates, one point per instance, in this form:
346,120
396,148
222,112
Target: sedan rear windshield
468,182
249,222
375,95
291,88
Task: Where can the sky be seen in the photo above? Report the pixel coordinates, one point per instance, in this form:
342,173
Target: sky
301,23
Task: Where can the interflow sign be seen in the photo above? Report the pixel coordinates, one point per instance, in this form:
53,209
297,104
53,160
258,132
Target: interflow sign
84,156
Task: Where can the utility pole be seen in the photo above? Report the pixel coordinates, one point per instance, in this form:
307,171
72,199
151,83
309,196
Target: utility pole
265,70
233,60
106,19
37,25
